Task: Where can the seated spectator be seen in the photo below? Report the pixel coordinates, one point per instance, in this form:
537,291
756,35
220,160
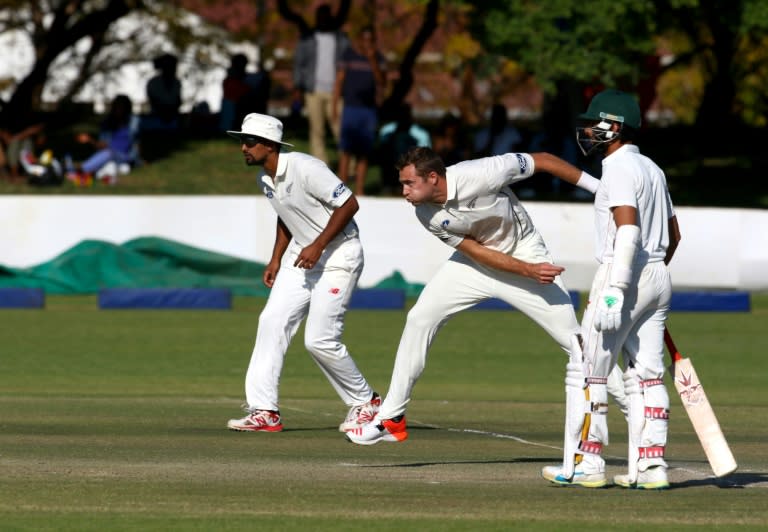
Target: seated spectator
116,147
396,138
14,139
39,164
499,137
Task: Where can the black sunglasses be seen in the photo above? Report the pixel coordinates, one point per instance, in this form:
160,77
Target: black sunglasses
252,141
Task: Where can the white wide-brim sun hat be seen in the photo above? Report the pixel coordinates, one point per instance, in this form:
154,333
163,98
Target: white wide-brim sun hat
263,126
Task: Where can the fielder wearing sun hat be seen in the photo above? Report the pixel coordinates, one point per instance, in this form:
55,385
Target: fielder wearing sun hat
261,126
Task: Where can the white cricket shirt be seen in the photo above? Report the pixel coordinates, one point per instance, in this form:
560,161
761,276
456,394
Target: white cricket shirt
630,178
304,194
480,204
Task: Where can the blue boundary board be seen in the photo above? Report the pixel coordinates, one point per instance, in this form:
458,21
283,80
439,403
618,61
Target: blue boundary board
165,298
22,298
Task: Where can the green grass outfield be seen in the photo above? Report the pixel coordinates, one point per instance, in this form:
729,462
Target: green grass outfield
115,420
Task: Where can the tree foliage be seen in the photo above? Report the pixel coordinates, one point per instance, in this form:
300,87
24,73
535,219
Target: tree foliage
79,41
717,48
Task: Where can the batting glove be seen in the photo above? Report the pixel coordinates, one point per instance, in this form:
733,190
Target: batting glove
608,311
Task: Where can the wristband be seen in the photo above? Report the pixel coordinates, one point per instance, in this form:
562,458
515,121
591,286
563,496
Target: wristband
587,182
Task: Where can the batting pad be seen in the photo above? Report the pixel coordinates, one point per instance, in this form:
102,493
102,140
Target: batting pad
710,301
378,298
22,298
498,304
162,298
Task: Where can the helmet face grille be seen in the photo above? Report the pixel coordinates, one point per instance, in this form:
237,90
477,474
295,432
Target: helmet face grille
596,137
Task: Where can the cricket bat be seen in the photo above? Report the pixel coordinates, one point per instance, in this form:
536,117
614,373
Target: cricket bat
700,411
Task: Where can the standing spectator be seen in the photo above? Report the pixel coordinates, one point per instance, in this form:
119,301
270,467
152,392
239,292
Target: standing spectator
314,72
396,138
499,253
499,137
164,97
233,89
256,99
636,236
449,140
316,262
360,81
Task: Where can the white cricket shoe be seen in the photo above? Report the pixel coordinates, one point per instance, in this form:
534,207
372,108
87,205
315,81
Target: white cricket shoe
359,415
391,430
653,478
257,421
580,477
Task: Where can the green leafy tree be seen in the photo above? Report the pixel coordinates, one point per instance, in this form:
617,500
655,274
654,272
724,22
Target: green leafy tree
718,45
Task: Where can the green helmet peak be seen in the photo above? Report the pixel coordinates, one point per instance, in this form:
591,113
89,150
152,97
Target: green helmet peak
616,106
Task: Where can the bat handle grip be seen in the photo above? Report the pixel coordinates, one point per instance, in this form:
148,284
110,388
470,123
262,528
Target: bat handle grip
673,352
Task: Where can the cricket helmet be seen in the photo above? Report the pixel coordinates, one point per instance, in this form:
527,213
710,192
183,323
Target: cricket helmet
607,108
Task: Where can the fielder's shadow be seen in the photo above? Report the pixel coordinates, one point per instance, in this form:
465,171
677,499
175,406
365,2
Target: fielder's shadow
734,480
463,462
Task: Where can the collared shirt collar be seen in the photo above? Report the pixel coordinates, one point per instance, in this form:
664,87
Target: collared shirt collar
282,167
630,148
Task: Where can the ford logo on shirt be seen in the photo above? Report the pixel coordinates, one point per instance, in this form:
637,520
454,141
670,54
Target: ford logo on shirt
339,190
522,161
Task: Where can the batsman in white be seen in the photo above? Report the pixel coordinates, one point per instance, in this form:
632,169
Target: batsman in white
636,235
316,262
499,253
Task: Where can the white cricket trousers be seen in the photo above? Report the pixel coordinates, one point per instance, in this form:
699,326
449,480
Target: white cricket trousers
322,295
641,336
461,283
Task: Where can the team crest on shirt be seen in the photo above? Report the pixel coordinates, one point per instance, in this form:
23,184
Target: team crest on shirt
445,223
269,194
523,163
339,190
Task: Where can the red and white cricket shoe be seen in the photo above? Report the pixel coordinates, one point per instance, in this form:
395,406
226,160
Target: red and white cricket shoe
391,430
361,414
257,421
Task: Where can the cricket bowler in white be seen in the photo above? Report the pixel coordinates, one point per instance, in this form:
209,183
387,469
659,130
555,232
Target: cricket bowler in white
499,254
316,262
636,235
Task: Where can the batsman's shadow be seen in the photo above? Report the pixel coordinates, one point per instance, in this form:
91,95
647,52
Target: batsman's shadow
732,481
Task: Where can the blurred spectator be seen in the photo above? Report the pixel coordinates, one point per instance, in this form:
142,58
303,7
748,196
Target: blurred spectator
116,147
396,138
243,92
16,136
499,136
39,164
164,97
314,71
256,99
234,88
360,79
449,140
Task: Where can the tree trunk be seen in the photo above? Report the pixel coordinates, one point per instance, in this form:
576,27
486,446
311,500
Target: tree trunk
404,83
48,44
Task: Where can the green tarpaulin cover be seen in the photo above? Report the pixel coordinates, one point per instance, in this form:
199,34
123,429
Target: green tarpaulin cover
150,262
